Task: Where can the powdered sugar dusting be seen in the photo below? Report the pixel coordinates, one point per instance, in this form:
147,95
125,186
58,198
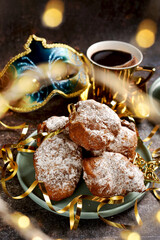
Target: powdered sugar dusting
113,174
125,143
54,123
97,116
99,123
58,162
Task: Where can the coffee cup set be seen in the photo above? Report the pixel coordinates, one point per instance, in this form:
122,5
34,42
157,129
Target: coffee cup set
108,73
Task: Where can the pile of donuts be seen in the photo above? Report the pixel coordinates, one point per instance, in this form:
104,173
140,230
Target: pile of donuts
95,142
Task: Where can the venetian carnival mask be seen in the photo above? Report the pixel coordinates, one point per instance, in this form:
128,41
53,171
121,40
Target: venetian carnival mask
33,77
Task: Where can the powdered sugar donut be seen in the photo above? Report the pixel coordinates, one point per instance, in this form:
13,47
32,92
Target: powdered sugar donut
112,174
93,125
58,163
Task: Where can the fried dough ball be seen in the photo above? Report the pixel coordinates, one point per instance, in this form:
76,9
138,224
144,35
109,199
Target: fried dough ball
112,174
53,123
93,125
58,163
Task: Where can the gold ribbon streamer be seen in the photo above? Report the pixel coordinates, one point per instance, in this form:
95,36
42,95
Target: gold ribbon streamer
71,108
24,132
155,192
13,127
48,201
74,221
7,155
118,225
3,182
78,214
137,216
14,172
154,153
154,130
110,223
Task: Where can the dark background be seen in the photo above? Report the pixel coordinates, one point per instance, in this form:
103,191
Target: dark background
85,22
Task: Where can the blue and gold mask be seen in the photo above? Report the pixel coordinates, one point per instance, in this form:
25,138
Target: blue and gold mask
34,76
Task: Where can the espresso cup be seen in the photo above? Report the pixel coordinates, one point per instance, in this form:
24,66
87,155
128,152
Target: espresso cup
122,63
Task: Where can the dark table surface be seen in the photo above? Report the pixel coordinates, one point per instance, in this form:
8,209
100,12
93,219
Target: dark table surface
84,23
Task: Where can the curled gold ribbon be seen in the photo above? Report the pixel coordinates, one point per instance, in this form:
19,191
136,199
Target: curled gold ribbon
74,220
24,132
78,201
156,153
3,182
137,216
119,225
155,192
148,169
13,127
7,156
71,108
110,223
154,130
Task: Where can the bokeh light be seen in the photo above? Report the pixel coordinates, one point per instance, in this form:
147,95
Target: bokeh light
23,222
129,235
4,106
145,38
37,238
142,110
134,236
27,84
158,216
53,14
146,33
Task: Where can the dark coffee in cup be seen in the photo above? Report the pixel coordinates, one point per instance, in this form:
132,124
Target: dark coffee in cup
113,65
113,58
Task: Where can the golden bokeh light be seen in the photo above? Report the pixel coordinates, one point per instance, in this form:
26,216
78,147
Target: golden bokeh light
145,38
23,222
27,84
37,238
53,14
146,33
158,216
4,106
142,110
129,235
134,236
52,17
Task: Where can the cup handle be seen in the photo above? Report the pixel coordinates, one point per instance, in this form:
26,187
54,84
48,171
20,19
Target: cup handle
150,70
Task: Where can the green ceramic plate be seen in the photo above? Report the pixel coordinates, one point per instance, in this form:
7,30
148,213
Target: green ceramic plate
154,93
26,176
